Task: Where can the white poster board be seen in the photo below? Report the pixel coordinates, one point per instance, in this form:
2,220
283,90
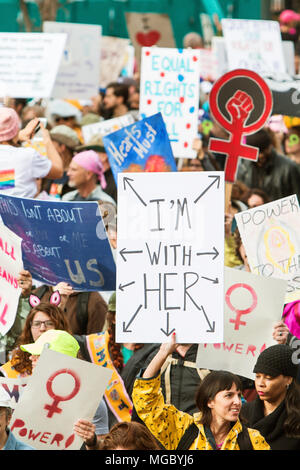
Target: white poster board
61,390
10,265
29,63
113,57
254,44
14,388
170,84
170,257
271,236
79,71
252,306
218,47
105,127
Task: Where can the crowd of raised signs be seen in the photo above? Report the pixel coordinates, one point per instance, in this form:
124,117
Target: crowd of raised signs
147,396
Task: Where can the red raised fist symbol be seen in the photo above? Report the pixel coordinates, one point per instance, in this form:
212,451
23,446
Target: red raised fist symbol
239,106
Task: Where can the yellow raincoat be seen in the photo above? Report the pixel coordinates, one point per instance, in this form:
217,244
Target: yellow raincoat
168,424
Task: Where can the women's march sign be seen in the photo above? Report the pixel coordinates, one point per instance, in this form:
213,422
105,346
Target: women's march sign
251,306
170,85
270,235
62,241
140,147
10,265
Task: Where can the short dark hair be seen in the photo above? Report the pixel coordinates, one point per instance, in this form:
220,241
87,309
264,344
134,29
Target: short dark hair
261,139
120,89
213,383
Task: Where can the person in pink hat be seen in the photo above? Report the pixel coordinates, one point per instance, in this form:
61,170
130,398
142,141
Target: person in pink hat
289,20
20,167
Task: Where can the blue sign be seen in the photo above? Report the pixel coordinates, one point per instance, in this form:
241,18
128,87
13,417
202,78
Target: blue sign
62,242
140,147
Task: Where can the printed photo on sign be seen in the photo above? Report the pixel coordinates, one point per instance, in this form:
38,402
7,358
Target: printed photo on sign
270,235
170,257
170,85
61,390
251,307
62,241
141,147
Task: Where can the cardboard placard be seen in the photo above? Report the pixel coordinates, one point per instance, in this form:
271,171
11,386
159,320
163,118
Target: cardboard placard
113,56
14,388
170,257
252,306
105,127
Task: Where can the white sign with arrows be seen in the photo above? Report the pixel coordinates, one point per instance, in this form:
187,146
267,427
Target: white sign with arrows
170,259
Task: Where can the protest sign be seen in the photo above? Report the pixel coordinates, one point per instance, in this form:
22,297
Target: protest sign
149,29
207,29
170,257
252,306
10,266
241,102
254,44
29,63
62,241
170,85
61,390
219,51
79,71
113,51
14,388
270,235
142,146
105,127
208,65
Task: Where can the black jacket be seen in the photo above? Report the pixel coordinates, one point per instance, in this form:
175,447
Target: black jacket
279,177
270,426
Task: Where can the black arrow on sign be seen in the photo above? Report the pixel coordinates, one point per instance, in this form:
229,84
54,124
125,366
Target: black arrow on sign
167,333
124,252
125,327
125,285
215,253
216,179
211,327
214,281
127,180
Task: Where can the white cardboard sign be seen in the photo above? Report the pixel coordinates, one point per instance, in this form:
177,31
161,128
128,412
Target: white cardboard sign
252,306
270,235
10,265
170,257
29,63
106,127
14,388
61,390
79,71
170,85
254,44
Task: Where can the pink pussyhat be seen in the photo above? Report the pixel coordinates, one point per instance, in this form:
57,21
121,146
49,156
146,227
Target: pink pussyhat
291,317
9,124
90,161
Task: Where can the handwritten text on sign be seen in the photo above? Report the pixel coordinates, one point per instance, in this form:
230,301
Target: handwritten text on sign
10,265
170,257
252,306
62,241
270,235
61,390
170,85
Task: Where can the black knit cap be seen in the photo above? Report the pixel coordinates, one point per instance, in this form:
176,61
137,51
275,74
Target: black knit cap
276,360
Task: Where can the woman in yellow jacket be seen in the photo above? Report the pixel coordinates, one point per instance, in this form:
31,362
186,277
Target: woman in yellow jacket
219,400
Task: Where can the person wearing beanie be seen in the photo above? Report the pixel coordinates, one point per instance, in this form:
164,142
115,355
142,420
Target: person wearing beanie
21,167
275,174
275,413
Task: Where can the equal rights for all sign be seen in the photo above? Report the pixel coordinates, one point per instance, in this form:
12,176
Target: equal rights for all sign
62,241
170,85
270,235
170,257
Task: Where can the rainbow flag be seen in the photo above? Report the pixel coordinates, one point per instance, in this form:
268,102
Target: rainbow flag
7,179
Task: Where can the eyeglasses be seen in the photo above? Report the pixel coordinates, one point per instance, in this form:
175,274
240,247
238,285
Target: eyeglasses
38,324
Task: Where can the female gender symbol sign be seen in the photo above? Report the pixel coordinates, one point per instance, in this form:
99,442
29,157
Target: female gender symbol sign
240,312
53,408
240,105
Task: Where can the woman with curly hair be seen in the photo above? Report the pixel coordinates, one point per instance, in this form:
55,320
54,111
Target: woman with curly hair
44,316
102,349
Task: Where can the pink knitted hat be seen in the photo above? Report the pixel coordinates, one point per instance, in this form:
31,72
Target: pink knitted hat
90,160
9,123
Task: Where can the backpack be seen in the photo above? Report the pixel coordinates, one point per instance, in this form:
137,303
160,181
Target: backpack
192,432
82,306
